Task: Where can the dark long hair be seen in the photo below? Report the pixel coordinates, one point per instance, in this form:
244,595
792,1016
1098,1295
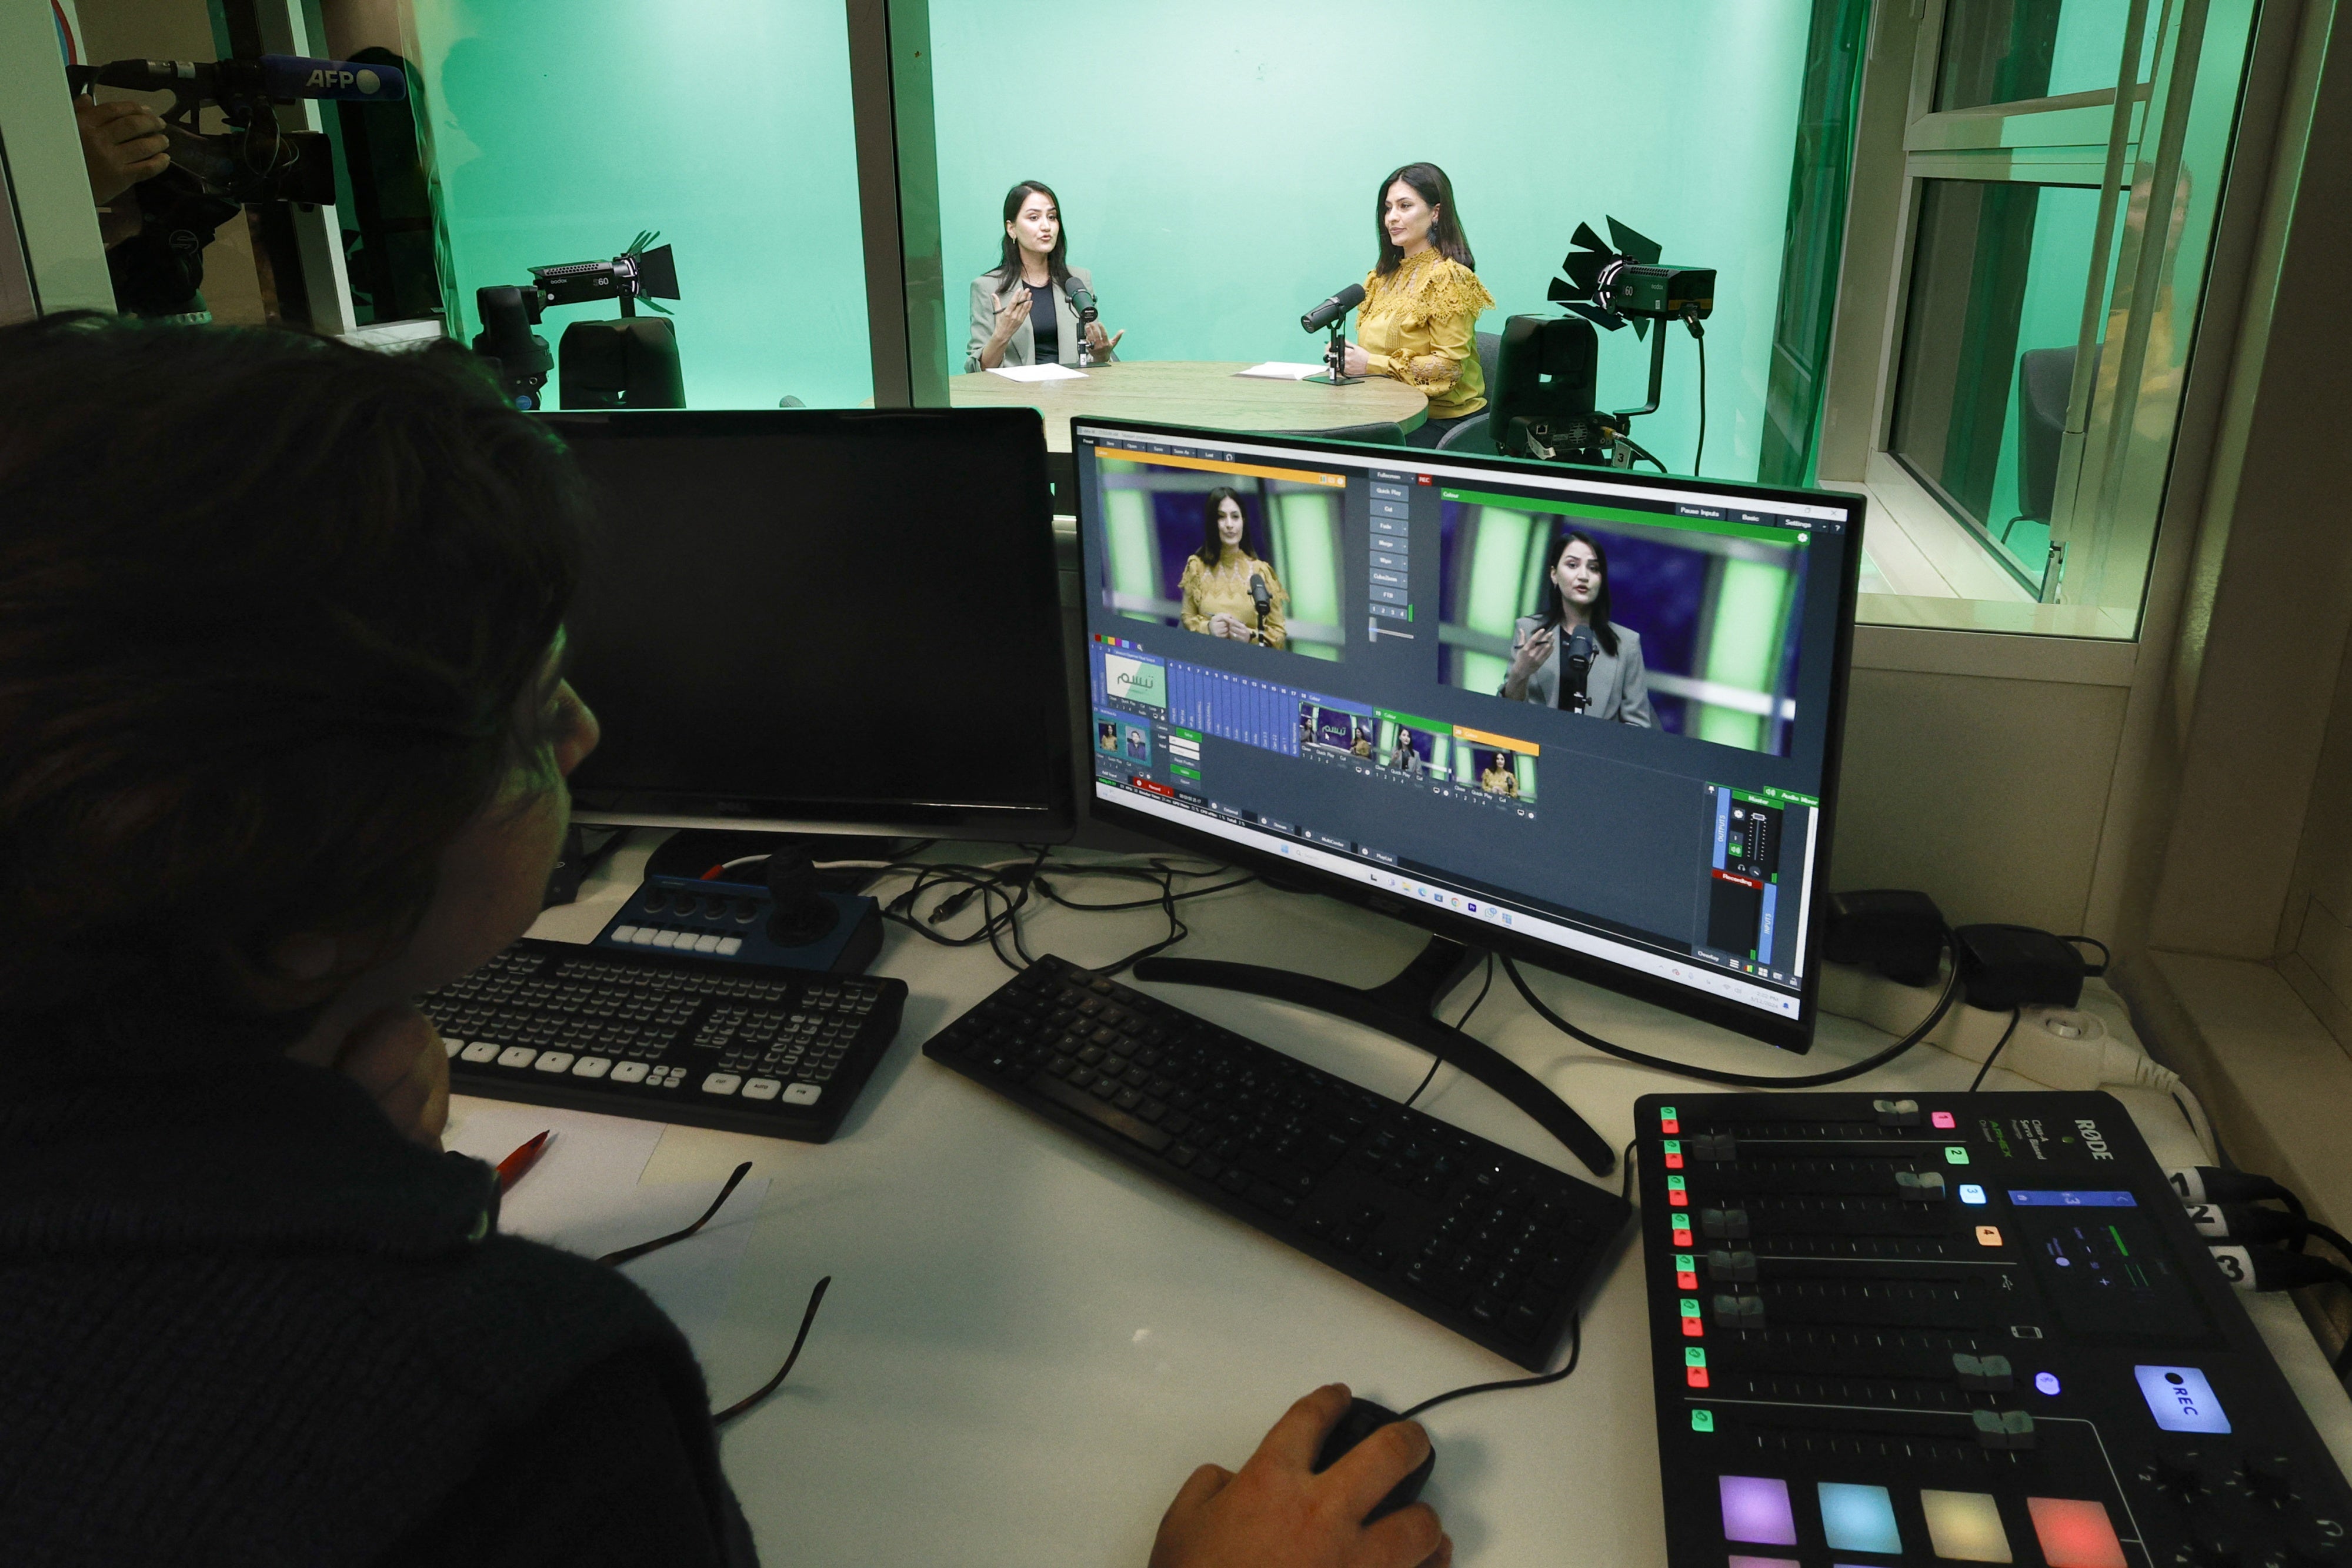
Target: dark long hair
1212,548
272,604
1429,183
1547,600
1008,262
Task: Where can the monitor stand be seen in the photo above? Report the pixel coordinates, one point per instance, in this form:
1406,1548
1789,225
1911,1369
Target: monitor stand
691,851
1402,1007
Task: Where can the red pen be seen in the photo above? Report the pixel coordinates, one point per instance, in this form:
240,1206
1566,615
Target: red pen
512,1168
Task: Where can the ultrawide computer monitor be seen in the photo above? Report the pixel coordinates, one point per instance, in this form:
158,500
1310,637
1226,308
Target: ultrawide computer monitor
1643,796
831,621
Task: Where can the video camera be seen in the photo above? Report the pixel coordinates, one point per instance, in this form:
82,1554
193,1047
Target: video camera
254,161
631,362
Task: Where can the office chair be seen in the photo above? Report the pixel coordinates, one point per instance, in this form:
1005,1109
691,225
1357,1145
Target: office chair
1473,435
2044,377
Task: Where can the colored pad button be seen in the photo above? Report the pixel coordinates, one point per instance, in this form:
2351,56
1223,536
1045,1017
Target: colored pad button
1756,1508
1955,1155
2076,1533
1972,1193
1964,1527
1702,1420
1859,1518
1942,1120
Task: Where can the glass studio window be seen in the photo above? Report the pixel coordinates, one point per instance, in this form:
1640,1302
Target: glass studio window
2063,182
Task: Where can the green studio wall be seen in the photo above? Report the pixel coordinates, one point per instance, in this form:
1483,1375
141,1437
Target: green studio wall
1217,161
560,129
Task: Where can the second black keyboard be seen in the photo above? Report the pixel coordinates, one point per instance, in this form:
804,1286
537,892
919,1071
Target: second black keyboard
1488,1243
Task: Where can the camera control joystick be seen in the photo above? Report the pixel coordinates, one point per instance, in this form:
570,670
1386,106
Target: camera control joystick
801,915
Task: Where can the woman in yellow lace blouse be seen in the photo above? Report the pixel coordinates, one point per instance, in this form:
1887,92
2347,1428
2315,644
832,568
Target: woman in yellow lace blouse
1420,314
1216,587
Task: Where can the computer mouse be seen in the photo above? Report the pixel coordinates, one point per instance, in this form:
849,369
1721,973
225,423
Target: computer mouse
1364,1418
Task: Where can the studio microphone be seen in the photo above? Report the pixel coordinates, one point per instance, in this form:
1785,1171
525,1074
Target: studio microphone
1082,299
1579,667
282,77
1332,310
1263,599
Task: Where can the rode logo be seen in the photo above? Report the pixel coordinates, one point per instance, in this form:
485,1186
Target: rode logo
2092,1138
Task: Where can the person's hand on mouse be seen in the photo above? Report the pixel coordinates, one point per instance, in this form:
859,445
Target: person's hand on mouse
1277,1512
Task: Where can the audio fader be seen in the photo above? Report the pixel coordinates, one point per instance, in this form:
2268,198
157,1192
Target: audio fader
1959,1327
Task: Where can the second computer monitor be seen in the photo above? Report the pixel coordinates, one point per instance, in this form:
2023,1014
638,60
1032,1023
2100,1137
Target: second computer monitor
828,620
1588,718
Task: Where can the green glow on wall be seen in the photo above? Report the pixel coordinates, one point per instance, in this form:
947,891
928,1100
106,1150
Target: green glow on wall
1310,543
1217,161
1483,671
1127,535
1743,642
558,129
1501,549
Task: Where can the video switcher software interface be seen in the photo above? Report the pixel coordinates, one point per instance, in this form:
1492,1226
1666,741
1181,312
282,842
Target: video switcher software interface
1590,709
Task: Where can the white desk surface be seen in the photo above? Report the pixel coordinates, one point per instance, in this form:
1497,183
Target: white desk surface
1027,1346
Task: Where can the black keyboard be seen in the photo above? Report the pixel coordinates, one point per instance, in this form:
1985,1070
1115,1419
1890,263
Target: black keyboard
668,1037
1490,1244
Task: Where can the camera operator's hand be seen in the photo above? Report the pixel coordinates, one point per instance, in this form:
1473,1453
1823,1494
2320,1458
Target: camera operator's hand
1525,659
122,143
1278,1510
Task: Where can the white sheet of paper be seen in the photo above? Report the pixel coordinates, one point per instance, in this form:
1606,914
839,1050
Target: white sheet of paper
1282,370
1038,372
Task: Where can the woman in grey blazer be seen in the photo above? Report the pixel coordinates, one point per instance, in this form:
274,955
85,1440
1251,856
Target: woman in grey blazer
1021,310
1574,628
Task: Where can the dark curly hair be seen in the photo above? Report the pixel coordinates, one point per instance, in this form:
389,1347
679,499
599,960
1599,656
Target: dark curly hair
268,607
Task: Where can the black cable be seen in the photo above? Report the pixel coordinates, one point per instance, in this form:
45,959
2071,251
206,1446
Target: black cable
1625,1187
2014,1015
2107,954
1638,450
1700,333
717,1204
1746,1080
1575,1354
1436,1061
817,1299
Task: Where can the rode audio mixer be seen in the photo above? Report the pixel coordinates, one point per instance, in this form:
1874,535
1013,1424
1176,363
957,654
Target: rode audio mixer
1955,1329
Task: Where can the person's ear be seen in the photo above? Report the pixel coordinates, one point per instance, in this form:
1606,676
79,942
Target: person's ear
305,957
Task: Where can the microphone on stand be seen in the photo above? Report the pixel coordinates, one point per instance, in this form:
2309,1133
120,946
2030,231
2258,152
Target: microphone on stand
1332,310
1332,313
1579,659
1263,600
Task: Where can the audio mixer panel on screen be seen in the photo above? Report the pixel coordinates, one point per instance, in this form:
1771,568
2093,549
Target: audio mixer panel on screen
1955,1329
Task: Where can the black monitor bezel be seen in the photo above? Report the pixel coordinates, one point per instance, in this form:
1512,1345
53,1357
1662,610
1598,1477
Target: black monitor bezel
1795,1034
1051,821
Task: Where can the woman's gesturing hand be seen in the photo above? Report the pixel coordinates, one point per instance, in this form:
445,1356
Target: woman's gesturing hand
1010,313
1099,343
1277,1511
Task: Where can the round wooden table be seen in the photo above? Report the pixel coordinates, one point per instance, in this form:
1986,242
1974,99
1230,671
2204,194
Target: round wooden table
1203,393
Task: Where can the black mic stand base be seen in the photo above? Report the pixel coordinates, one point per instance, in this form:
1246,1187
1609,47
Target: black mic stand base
1333,358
